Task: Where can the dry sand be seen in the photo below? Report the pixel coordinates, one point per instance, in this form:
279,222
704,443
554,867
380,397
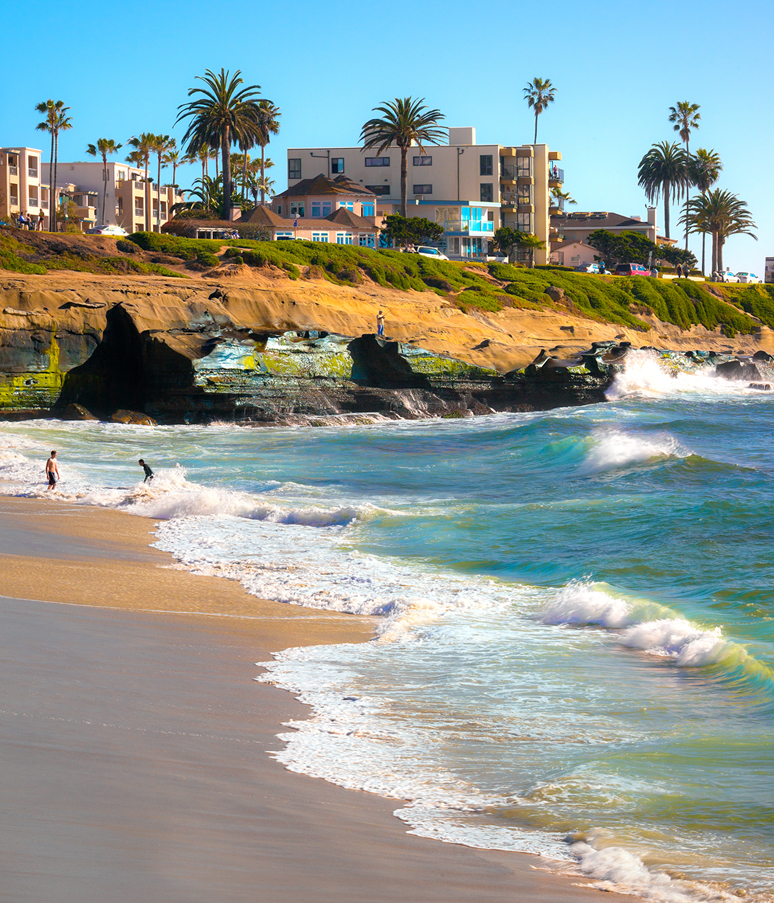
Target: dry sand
134,742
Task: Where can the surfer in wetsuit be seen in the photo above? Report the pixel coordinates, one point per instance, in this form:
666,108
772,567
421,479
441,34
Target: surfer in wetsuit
148,471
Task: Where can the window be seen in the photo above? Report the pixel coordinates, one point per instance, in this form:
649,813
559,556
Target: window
379,189
347,205
337,165
283,235
524,194
320,236
487,191
486,164
524,222
294,167
279,209
377,161
32,166
321,209
367,210
343,238
366,240
423,189
424,160
33,195
297,208
120,207
524,167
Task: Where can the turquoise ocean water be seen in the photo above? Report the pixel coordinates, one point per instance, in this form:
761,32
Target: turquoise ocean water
575,611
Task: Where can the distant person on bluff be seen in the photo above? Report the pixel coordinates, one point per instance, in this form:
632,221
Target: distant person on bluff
148,471
380,324
52,471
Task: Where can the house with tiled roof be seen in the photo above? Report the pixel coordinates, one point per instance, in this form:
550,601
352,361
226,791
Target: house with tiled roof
331,210
576,227
341,226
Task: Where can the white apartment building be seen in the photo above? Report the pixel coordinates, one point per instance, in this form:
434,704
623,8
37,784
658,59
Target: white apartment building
22,186
471,189
126,197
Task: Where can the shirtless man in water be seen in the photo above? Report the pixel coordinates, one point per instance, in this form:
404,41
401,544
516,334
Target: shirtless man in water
52,471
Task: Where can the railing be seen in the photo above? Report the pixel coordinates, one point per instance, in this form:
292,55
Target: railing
138,213
44,203
33,202
514,200
517,172
555,174
33,173
466,225
14,170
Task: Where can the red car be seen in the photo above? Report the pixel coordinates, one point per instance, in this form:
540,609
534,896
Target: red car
631,269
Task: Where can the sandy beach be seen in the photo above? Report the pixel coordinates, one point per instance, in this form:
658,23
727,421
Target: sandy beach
135,741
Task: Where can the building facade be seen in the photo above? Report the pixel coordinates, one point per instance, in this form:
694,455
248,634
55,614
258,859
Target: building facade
125,198
578,226
471,189
23,189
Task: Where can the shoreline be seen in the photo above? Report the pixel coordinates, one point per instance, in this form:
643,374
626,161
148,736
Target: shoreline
350,844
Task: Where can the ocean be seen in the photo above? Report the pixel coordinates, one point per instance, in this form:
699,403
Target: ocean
574,609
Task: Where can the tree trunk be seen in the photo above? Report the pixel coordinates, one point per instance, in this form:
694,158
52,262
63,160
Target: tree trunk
53,187
403,179
51,183
720,254
703,250
244,176
687,191
263,173
104,187
158,195
666,208
147,217
205,170
225,147
536,121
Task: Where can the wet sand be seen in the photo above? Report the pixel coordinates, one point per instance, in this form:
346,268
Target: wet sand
134,741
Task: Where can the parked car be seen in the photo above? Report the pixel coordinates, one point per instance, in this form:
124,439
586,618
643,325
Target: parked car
431,252
107,230
728,276
587,268
747,277
631,269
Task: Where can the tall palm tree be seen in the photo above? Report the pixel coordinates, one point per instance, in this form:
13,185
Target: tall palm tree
143,147
221,114
721,214
160,145
173,158
704,169
685,117
268,125
556,192
539,93
405,122
102,148
56,121
662,171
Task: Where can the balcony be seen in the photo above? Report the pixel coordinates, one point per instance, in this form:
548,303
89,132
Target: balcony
514,173
138,213
555,175
32,173
467,226
14,170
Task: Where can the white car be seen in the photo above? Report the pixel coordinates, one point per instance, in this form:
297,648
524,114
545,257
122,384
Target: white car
108,230
431,252
747,277
728,276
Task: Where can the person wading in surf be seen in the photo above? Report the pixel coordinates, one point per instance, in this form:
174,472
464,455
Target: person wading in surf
52,471
148,471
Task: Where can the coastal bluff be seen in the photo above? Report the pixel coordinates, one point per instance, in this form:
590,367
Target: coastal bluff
269,349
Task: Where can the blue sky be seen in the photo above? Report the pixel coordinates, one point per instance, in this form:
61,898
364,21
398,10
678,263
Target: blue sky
617,68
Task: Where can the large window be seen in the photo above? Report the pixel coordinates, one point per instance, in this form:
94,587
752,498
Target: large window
424,160
321,209
337,165
524,222
347,205
320,236
377,161
379,189
366,239
487,191
297,208
294,168
423,189
524,167
367,210
486,164
343,238
524,194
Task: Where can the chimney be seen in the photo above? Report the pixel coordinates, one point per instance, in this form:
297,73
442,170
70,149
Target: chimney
652,216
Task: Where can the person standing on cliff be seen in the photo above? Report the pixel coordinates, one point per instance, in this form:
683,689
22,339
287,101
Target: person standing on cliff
52,471
380,324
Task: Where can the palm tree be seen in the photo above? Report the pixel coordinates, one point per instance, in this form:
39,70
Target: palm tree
160,145
143,147
56,121
221,114
556,192
662,171
173,158
685,117
268,125
704,169
539,93
721,214
406,122
103,147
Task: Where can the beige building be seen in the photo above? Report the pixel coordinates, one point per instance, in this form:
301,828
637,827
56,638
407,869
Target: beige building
125,199
578,226
23,188
471,189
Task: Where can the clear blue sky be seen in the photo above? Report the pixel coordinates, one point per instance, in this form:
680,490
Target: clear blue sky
617,68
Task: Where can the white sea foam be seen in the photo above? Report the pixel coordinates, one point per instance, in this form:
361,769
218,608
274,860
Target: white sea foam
645,375
613,449
647,626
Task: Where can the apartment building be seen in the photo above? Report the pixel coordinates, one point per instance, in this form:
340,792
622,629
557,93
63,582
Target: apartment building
125,199
23,189
471,189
